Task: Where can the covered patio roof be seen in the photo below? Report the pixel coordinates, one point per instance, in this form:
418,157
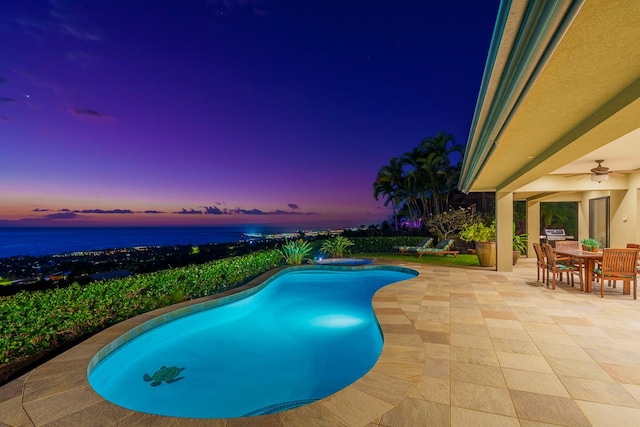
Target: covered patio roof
561,89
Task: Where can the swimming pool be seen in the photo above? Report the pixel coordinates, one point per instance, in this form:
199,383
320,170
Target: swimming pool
344,261
304,335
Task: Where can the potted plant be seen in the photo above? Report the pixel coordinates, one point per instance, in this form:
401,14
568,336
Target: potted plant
590,245
484,237
519,244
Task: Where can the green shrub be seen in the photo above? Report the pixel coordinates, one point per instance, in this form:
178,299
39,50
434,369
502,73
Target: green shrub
382,244
34,322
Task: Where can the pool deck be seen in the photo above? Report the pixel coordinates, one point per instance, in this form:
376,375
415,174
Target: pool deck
463,347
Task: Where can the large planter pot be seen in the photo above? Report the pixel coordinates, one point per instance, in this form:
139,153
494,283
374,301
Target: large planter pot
486,252
516,257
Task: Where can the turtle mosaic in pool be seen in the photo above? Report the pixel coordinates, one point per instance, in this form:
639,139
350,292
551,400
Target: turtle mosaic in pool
165,374
300,336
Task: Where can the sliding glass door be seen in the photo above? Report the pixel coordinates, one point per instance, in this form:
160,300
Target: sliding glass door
599,220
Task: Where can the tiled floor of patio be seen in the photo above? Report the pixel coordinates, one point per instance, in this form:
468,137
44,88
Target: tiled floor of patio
463,347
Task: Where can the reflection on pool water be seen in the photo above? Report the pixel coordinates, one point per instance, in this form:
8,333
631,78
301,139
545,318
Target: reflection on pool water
305,335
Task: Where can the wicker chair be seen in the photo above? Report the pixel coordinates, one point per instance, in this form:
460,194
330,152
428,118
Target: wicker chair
542,267
556,265
618,264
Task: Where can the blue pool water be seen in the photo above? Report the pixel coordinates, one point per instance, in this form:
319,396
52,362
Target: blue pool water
344,261
305,335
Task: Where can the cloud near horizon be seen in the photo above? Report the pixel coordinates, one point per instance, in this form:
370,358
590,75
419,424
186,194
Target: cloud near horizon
60,215
68,214
212,210
103,211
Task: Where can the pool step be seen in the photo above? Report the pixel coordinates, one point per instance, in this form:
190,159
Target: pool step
279,407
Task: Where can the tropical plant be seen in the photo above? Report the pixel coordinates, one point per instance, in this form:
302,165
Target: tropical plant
478,231
336,246
295,251
520,241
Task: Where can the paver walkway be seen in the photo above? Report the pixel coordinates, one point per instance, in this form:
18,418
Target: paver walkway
463,347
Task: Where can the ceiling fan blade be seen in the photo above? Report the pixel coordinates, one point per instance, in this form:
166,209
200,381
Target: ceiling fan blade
626,171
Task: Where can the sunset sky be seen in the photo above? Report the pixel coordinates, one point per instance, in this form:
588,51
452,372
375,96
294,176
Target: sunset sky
225,111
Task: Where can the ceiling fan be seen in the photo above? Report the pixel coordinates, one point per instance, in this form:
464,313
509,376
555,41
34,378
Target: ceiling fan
601,173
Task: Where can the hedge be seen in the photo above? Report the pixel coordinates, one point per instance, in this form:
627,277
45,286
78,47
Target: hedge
39,321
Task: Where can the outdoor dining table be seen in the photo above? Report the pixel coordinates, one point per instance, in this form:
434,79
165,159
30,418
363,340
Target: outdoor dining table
589,261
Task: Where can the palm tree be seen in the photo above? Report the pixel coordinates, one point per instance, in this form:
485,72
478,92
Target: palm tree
417,179
389,183
422,181
441,176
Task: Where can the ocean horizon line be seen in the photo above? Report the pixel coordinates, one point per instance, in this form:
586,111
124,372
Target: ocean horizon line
45,241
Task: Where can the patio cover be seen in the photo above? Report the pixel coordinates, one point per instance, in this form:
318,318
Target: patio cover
561,87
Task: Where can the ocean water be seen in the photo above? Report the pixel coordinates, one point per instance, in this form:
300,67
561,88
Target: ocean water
38,241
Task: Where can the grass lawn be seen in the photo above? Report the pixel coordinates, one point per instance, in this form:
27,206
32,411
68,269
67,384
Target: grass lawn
463,260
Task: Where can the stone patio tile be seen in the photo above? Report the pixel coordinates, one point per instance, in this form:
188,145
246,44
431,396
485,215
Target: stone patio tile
623,374
515,346
355,407
432,389
410,410
56,406
534,382
474,355
561,351
482,398
462,417
471,341
600,414
315,414
477,374
548,409
384,387
578,368
525,362
608,392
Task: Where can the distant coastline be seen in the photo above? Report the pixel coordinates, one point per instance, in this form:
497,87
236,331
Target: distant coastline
46,241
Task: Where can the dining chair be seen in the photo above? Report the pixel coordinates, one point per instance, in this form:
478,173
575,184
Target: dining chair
618,264
556,265
568,244
635,246
573,245
629,246
542,268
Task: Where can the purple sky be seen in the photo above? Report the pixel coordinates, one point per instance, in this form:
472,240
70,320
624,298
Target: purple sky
264,112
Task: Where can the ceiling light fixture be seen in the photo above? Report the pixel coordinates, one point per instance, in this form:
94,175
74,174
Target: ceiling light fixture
599,177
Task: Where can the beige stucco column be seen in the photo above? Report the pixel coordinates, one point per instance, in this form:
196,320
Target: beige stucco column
533,226
504,229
